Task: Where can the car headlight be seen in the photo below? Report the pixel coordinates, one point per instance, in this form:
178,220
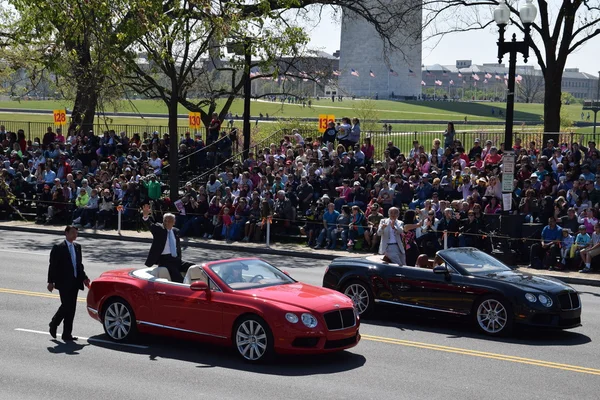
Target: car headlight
530,297
291,317
309,320
545,300
356,313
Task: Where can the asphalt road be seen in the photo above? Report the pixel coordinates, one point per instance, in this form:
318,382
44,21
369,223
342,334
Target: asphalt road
401,356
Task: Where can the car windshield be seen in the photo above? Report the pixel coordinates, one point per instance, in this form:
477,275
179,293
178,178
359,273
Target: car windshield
475,262
249,274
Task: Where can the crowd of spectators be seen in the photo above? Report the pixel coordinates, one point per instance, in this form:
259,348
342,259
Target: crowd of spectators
333,187
81,177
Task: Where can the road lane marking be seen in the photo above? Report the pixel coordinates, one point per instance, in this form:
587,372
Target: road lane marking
382,339
137,346
36,294
482,354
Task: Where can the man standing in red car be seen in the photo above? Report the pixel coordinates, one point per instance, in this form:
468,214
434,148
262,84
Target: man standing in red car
66,273
165,250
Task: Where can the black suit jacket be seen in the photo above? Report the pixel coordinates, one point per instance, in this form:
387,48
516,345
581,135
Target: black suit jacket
60,270
159,235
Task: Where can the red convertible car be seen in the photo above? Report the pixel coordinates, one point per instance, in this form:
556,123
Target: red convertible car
246,303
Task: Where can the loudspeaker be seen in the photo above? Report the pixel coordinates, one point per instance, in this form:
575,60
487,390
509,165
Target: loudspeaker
510,225
492,223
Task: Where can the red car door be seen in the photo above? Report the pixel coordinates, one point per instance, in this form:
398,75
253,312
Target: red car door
180,308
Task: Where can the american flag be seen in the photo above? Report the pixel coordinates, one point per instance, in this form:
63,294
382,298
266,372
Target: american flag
438,82
459,75
444,73
354,72
428,73
505,76
506,82
371,74
423,83
475,76
488,75
393,73
485,81
498,76
451,82
336,72
411,72
518,78
474,83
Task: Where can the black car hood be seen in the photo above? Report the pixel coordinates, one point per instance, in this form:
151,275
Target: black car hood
525,280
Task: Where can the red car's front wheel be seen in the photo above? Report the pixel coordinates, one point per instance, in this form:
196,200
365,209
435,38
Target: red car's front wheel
253,339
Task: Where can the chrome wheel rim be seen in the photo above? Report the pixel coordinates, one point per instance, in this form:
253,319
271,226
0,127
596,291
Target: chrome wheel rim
492,316
251,340
359,295
117,321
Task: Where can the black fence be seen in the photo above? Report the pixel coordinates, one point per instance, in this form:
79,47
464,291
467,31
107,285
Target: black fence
38,129
404,140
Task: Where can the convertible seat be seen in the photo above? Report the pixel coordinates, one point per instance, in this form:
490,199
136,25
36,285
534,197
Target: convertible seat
195,273
160,273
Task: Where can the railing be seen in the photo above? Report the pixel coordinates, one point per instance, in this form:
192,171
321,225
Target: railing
38,129
404,140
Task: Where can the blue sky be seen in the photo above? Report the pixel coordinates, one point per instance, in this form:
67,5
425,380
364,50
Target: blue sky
478,46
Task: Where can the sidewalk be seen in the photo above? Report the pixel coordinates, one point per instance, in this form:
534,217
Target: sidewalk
282,249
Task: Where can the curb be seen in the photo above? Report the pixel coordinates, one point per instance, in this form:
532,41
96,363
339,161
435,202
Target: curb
265,250
189,243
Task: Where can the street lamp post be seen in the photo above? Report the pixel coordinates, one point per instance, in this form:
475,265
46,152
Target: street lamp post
502,16
527,13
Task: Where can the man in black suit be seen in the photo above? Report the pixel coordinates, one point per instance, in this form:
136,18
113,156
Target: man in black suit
67,275
165,250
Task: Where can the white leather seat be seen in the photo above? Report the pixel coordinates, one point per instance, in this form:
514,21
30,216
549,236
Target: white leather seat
195,273
161,272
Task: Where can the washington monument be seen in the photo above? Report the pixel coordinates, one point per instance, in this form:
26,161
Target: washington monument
396,72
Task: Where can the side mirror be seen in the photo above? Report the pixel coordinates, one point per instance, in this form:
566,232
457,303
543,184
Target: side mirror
199,286
440,269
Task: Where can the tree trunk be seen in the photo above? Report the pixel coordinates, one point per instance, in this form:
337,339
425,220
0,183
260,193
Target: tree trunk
86,99
552,105
84,109
173,145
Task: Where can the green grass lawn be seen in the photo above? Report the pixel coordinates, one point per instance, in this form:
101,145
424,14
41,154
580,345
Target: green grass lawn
455,111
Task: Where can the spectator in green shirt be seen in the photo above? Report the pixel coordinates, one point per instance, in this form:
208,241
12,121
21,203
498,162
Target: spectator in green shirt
153,186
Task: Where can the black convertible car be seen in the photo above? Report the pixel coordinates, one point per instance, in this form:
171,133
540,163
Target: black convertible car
461,281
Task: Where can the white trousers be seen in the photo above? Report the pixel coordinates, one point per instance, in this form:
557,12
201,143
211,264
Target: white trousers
393,253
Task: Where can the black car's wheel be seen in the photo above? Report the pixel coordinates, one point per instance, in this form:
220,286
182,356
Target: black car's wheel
493,316
253,339
118,320
361,296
